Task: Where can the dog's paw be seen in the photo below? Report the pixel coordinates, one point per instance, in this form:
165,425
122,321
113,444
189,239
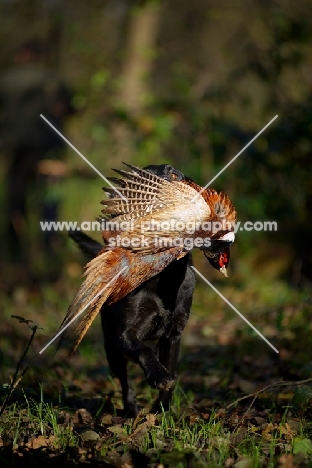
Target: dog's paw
166,384
130,410
161,379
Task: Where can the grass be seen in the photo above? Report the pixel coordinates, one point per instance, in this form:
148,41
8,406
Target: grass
171,438
192,433
66,414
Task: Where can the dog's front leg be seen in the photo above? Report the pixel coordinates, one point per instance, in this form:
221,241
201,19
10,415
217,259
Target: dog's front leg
156,374
117,361
168,351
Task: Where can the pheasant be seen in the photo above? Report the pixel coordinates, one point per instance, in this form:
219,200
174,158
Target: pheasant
158,310
148,223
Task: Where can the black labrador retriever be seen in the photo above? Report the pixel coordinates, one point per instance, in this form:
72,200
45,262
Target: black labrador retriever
156,310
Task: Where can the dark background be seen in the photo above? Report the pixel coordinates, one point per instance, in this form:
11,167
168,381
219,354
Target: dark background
185,83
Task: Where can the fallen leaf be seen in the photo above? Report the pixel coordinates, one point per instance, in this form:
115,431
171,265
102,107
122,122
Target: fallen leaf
302,445
116,429
244,462
83,416
229,462
106,419
89,438
286,461
150,419
38,442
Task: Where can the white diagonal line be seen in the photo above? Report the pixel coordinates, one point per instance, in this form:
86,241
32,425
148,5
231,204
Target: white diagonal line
235,310
85,307
83,157
235,157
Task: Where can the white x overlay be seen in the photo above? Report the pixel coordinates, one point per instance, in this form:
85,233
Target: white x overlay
82,310
234,308
235,157
205,279
83,157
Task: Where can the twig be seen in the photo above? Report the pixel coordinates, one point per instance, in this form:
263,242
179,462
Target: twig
16,379
276,384
142,426
255,395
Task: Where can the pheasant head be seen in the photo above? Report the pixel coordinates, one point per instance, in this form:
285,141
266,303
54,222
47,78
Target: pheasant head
222,225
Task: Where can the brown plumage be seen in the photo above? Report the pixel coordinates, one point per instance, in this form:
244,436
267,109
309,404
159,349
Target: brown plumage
143,233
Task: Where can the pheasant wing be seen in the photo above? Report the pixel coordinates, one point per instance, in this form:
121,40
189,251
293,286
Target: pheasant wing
110,277
153,206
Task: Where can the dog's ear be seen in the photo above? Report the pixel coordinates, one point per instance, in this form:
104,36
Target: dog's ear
86,244
165,171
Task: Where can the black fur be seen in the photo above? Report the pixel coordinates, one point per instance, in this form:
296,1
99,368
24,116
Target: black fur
157,310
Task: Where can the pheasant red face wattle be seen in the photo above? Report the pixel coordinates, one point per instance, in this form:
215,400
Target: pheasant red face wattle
223,263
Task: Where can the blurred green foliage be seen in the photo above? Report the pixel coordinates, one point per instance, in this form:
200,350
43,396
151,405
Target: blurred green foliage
215,74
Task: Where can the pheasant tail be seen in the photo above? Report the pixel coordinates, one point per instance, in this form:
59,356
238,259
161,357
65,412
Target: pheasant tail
109,277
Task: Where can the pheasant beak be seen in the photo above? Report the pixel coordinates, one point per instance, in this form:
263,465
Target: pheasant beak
224,272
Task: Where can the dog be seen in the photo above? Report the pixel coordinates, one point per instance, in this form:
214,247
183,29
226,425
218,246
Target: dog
157,310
